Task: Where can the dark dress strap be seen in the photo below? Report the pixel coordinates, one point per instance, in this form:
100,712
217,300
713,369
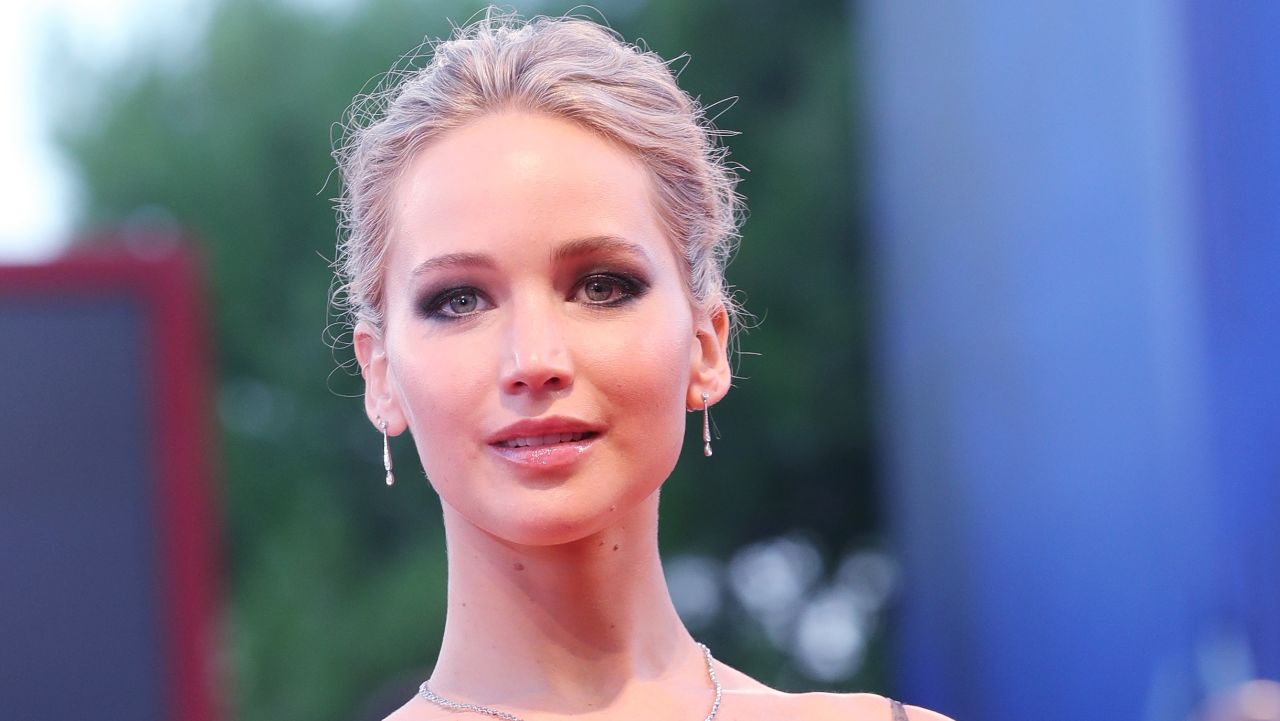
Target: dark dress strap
899,713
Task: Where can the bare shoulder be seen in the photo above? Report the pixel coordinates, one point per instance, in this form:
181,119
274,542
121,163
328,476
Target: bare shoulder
747,698
766,702
915,713
843,706
855,707
415,709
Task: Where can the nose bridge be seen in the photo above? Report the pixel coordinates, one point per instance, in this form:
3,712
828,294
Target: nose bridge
536,354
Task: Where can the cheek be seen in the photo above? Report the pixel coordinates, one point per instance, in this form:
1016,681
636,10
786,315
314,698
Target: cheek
644,360
650,370
434,389
443,393
643,376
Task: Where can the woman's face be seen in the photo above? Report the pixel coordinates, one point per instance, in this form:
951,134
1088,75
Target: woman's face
539,342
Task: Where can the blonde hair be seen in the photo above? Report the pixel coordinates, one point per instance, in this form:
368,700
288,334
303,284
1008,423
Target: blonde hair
566,67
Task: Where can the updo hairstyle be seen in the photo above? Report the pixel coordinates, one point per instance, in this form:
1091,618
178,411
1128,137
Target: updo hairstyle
565,67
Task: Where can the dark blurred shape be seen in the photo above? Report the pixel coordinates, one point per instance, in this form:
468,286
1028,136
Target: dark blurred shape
106,521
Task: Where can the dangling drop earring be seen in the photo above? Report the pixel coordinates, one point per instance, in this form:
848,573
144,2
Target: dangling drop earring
706,428
386,452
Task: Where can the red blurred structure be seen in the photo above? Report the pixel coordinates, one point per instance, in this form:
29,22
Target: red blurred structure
105,475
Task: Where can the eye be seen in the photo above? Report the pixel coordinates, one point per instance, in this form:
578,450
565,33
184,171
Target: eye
456,303
606,290
463,303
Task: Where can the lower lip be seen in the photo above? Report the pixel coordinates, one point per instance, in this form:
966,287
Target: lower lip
549,457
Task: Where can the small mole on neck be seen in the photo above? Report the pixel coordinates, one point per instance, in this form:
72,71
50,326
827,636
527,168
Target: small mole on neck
615,546
518,566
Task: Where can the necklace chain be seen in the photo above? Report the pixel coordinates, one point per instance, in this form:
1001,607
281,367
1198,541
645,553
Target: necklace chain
425,691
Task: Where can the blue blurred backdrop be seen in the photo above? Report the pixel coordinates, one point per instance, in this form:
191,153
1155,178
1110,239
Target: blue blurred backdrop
1077,248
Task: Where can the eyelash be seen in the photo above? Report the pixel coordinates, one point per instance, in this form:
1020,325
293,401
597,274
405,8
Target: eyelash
630,287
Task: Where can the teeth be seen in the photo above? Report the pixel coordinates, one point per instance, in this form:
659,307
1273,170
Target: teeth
543,440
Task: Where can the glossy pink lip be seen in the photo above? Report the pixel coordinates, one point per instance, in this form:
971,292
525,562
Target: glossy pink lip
542,427
543,452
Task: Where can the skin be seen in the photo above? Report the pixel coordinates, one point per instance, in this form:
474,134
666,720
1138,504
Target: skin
557,605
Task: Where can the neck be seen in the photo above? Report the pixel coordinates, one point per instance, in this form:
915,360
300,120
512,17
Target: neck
574,622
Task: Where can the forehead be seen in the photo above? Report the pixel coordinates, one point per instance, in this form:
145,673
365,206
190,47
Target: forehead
516,181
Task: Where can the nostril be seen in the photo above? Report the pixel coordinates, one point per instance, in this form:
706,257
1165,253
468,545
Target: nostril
554,383
534,372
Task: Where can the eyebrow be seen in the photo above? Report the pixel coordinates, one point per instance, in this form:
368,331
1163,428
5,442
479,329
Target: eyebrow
454,260
595,244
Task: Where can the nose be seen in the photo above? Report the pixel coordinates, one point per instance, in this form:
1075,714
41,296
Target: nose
537,359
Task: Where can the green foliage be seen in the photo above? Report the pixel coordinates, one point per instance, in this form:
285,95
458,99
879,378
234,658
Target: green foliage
336,583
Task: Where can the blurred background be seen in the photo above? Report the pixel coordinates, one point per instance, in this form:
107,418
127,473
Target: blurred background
1005,442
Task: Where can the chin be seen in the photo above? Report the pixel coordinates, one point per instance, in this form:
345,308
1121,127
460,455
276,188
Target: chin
547,535
558,525
564,517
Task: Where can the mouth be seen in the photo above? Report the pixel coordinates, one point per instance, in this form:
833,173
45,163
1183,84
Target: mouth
547,445
546,440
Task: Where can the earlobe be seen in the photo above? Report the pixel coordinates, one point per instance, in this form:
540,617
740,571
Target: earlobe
380,401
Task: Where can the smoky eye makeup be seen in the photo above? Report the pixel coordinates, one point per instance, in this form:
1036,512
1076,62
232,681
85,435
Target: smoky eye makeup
621,265
609,286
450,301
597,281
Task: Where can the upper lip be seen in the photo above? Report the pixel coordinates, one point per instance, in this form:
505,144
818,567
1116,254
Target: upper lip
542,427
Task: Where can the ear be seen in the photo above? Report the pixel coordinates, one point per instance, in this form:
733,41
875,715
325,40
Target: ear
381,401
709,369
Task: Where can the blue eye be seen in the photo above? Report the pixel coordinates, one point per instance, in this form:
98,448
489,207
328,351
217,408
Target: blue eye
608,290
455,303
463,303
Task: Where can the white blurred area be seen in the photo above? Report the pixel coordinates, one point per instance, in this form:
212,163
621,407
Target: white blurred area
40,40
1257,700
822,618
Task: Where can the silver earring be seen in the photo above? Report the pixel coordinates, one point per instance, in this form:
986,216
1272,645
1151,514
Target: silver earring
386,452
706,428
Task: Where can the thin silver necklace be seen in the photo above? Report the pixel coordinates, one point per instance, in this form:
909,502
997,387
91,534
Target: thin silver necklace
425,691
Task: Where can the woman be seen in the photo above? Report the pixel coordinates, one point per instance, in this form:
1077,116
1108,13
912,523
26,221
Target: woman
536,227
